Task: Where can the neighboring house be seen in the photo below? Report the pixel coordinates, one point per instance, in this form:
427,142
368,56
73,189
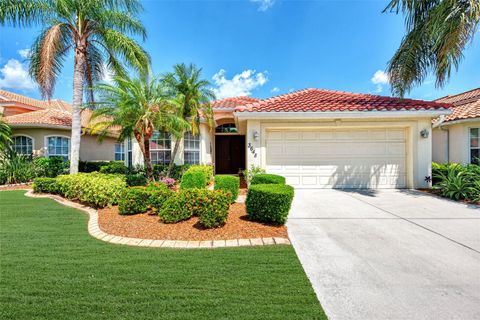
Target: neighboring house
43,128
316,139
456,136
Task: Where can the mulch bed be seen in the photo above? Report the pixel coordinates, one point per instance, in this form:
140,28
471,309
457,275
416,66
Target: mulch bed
16,187
149,226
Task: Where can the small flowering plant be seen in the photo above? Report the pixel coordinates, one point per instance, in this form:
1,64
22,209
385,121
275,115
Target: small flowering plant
169,182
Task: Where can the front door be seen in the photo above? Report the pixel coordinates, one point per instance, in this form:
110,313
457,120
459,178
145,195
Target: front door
229,154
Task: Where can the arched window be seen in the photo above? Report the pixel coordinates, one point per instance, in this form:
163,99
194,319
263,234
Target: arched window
191,148
22,144
58,146
160,148
226,128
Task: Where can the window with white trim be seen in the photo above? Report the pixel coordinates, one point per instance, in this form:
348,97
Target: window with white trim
22,145
160,148
191,148
475,145
58,146
119,151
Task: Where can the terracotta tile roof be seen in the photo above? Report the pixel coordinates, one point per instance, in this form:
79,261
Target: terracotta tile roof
7,96
42,117
230,103
327,100
466,105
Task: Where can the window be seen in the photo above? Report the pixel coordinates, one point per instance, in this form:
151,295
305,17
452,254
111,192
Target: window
58,146
475,145
226,128
191,148
129,152
119,151
160,148
22,144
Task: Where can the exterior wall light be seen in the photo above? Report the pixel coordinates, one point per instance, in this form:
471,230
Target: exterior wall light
424,133
256,135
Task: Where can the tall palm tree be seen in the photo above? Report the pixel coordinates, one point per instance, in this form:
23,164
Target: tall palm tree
194,94
97,31
5,133
438,32
136,107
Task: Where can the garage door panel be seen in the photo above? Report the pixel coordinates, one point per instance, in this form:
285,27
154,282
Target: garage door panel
372,158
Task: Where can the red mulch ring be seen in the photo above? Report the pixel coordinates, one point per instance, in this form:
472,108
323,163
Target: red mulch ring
149,226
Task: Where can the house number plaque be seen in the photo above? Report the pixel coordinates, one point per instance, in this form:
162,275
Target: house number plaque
252,150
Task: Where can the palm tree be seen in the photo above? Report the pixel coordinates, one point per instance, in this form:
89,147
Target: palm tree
437,34
136,107
186,84
97,31
5,133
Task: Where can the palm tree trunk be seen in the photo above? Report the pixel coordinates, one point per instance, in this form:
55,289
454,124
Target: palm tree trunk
174,155
146,158
78,80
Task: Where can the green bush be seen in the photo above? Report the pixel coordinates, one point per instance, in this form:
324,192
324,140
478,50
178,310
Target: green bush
456,181
113,167
50,166
265,178
134,200
214,211
158,197
174,209
91,166
207,170
193,179
248,174
45,185
160,171
94,188
229,184
136,180
15,168
269,202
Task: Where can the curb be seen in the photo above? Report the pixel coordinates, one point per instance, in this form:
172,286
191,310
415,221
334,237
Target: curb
95,231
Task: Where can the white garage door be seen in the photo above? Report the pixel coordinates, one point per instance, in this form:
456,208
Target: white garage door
355,158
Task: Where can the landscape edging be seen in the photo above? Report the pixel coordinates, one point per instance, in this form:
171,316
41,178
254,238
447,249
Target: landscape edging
95,231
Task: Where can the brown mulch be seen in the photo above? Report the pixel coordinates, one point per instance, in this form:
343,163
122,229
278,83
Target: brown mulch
149,226
17,187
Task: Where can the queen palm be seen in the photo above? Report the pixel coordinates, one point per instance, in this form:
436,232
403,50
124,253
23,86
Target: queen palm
5,133
97,31
438,32
194,94
136,107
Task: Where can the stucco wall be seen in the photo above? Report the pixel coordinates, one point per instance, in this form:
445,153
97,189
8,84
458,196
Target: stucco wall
90,148
459,143
419,150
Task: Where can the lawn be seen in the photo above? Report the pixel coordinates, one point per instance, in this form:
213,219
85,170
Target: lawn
52,269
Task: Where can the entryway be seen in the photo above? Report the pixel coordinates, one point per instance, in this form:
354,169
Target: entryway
229,154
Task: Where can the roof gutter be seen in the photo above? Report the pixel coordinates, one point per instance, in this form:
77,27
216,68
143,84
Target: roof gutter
310,115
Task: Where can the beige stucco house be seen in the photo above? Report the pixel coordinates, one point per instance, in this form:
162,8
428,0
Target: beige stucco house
456,136
43,128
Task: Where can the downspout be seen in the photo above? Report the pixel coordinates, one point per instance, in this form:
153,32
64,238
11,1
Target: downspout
439,125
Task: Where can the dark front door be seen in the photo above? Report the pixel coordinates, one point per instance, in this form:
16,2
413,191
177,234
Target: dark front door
229,154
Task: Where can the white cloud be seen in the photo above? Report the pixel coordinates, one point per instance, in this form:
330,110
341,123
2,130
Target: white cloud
14,75
24,53
380,78
241,84
275,89
264,5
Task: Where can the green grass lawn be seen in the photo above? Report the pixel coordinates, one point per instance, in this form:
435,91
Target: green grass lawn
52,269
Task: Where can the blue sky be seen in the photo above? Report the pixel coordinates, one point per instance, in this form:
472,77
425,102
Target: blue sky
261,47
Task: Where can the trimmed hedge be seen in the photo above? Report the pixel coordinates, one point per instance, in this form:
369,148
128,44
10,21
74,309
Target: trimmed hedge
96,189
136,180
269,202
265,178
91,166
207,170
45,185
211,207
114,167
193,179
134,200
229,184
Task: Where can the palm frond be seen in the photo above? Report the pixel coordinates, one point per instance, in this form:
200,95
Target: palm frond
25,13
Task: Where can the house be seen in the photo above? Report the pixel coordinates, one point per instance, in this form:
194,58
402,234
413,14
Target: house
317,139
43,128
456,136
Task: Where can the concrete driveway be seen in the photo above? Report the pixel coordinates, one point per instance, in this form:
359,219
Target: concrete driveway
388,254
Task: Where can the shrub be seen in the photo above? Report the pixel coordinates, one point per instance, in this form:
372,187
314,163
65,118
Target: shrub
135,180
193,179
248,174
207,170
174,209
96,189
169,182
50,166
264,178
91,166
15,168
269,202
134,200
456,181
158,197
45,185
114,167
229,184
160,171
214,211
